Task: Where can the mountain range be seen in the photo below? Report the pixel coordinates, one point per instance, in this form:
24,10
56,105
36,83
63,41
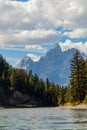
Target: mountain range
55,65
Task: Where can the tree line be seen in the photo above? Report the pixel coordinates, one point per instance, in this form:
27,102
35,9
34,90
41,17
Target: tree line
76,91
44,93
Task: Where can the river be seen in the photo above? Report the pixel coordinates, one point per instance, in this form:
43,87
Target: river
43,119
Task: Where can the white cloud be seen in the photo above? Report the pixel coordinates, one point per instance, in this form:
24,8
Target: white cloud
36,48
69,44
78,33
34,21
29,37
29,47
34,57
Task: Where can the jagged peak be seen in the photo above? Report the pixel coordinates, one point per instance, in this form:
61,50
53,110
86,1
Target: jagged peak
25,61
58,47
56,50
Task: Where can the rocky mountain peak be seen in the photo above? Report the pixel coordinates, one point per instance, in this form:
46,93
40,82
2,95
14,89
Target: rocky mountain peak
25,62
54,51
55,65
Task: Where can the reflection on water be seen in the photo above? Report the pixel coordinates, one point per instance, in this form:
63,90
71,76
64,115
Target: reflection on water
43,119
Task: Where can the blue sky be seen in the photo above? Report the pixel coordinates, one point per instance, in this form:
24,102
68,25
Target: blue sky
32,27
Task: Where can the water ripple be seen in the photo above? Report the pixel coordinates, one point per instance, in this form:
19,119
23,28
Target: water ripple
43,119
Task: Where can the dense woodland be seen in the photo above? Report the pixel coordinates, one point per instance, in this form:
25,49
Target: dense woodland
19,88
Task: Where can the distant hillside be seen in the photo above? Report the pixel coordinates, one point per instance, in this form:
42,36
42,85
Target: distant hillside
55,65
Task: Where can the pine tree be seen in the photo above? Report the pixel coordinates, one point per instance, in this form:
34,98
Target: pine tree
78,78
61,97
68,97
47,84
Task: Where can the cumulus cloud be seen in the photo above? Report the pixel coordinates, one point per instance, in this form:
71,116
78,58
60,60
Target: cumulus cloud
34,57
27,37
68,44
35,48
29,47
78,33
35,21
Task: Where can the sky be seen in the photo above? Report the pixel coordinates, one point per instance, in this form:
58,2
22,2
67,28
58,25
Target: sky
32,27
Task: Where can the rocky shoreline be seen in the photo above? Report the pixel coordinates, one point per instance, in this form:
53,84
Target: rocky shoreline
79,106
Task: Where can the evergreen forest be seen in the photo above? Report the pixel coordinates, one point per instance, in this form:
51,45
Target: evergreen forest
19,88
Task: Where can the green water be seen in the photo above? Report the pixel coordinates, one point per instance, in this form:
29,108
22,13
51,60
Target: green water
43,119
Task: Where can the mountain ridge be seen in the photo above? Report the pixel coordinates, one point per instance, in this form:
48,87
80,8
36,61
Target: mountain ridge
55,65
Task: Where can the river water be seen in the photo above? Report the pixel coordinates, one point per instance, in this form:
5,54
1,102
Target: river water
43,119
